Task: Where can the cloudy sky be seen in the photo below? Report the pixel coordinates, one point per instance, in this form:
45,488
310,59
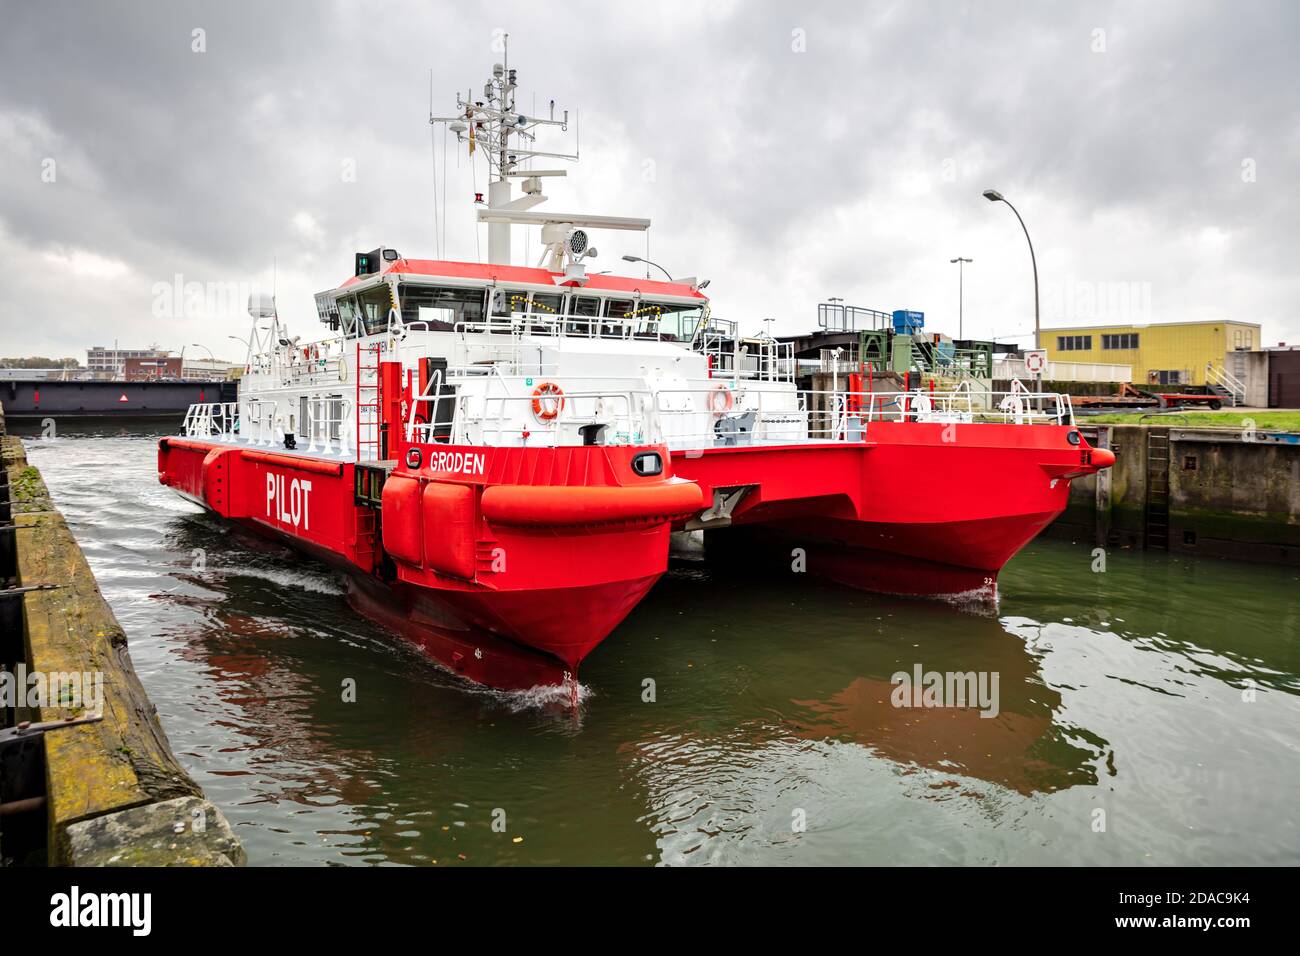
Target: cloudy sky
788,151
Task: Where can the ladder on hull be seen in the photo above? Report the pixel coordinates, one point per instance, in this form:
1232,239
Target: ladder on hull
369,402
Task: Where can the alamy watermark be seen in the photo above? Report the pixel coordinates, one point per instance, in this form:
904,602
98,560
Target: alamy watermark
921,688
179,298
128,910
1115,302
82,690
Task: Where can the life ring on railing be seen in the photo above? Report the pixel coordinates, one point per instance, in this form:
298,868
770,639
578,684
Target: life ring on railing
548,401
720,400
343,369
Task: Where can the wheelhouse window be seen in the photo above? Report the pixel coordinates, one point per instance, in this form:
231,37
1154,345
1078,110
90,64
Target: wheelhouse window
373,305
349,315
674,321
439,306
327,309
584,305
541,305
1073,343
1124,340
677,321
510,302
619,308
545,304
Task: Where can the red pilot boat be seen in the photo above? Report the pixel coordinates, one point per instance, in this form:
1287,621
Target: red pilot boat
498,455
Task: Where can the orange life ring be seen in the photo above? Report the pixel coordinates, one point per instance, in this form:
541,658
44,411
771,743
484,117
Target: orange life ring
548,401
720,400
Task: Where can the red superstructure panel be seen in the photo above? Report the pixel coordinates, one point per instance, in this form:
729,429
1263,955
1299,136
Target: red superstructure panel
488,273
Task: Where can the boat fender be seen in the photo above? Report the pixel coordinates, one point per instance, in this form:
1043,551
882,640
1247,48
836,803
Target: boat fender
401,520
449,528
215,477
558,506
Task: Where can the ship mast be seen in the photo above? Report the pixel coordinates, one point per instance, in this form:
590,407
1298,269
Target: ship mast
492,123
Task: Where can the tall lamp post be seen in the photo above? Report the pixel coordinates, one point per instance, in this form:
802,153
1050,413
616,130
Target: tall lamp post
992,195
198,345
961,264
649,263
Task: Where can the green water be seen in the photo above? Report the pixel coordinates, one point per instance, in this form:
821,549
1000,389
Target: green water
1164,692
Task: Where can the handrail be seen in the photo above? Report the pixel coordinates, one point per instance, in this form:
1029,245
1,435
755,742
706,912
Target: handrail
1221,377
491,424
211,419
837,317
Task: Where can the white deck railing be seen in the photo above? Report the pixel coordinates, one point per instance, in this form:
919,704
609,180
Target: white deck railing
489,408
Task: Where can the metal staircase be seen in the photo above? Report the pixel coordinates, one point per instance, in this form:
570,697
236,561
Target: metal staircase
1224,384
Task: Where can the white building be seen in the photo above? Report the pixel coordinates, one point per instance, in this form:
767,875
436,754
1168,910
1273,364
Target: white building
206,370
103,361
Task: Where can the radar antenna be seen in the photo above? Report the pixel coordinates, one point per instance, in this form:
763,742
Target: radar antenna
493,124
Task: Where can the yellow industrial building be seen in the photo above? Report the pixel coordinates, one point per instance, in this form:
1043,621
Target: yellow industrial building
1167,353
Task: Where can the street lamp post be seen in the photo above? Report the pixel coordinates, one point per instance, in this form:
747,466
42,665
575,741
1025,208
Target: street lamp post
992,195
198,345
961,264
649,263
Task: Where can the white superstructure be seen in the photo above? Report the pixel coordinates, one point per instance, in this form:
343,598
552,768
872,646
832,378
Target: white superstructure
495,353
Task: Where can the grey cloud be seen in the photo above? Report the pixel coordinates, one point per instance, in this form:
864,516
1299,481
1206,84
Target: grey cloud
778,173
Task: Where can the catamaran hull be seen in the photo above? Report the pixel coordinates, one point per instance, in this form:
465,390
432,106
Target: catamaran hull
510,565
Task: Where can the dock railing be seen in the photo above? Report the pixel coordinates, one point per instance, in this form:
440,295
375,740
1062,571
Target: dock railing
837,317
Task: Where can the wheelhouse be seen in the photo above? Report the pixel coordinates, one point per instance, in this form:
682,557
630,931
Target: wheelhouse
461,297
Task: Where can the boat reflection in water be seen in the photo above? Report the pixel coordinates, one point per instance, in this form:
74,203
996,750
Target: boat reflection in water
1018,745
828,744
